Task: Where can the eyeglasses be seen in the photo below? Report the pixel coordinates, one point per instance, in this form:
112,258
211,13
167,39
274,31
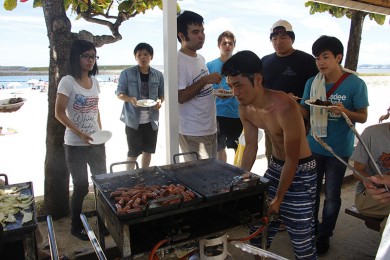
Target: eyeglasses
87,57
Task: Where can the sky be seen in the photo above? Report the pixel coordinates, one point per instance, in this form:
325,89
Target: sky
23,40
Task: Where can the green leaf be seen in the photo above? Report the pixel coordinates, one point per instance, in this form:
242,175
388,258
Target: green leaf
10,5
37,3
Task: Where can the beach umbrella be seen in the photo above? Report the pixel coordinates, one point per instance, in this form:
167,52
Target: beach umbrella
14,84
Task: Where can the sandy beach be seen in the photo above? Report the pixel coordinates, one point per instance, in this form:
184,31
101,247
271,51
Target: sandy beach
23,152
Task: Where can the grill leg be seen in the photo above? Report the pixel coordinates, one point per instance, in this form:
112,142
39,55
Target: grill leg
265,212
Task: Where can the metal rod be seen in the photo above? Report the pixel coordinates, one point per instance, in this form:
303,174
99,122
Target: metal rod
96,246
349,123
327,147
52,239
361,141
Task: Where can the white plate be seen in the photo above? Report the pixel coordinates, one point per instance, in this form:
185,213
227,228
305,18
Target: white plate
311,101
146,103
4,104
222,94
100,137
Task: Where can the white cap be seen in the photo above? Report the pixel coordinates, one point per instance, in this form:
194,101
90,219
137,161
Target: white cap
282,23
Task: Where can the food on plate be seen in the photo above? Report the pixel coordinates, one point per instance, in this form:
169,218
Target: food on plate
135,198
322,103
12,202
222,92
15,100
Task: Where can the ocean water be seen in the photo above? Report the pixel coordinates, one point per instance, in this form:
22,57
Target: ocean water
20,82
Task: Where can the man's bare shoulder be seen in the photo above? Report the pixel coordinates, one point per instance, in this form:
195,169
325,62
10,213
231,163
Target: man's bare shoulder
283,103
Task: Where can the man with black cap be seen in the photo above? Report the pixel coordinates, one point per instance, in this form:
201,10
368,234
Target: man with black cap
292,169
287,69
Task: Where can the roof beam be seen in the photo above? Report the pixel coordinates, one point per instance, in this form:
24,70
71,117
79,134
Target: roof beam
368,6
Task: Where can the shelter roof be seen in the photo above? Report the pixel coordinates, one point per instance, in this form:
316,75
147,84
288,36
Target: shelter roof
369,6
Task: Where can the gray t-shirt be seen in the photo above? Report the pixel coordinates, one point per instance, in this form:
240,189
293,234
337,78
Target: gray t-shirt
377,140
82,108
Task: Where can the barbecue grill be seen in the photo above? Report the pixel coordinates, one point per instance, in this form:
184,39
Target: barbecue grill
223,200
18,232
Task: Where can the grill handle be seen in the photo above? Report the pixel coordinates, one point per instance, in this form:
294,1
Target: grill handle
125,162
161,200
5,178
251,184
182,154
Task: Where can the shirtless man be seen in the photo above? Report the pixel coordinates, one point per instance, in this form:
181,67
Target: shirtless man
292,169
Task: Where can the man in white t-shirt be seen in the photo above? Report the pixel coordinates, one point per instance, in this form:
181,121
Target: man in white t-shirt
197,111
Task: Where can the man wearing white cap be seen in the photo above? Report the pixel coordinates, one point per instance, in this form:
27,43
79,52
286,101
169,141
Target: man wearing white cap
287,69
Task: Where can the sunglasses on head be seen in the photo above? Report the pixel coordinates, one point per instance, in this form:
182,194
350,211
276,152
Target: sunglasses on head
180,13
235,72
231,72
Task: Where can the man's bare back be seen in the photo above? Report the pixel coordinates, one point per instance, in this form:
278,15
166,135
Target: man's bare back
278,114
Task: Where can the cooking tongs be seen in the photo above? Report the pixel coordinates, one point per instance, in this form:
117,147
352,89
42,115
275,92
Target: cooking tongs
328,148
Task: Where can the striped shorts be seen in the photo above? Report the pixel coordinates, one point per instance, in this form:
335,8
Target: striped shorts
297,208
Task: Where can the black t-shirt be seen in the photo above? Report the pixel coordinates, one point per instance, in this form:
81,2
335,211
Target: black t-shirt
144,90
290,73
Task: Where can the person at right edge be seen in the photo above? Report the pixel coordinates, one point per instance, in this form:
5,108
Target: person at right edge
287,69
377,140
348,94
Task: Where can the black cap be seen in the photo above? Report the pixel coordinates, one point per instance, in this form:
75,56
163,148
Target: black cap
243,62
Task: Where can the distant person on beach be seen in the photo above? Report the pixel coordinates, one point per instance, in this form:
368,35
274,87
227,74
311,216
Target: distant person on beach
77,108
140,83
228,119
348,94
197,111
384,117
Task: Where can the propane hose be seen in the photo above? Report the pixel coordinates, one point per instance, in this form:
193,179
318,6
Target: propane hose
152,255
264,221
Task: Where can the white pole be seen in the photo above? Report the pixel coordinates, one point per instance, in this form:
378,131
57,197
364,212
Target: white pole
170,79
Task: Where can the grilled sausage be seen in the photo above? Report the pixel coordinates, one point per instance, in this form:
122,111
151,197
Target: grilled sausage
115,194
147,196
191,194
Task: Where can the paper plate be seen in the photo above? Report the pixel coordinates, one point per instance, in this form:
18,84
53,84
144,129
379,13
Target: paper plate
311,101
222,94
146,103
4,103
100,137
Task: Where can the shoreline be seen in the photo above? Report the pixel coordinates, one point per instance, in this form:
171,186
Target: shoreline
45,73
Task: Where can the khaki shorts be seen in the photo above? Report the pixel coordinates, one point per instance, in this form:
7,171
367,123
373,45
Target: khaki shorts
205,146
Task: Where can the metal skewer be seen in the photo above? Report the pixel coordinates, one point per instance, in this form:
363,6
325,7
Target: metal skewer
361,141
328,148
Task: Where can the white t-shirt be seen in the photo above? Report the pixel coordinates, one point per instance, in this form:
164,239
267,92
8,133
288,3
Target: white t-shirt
82,108
197,117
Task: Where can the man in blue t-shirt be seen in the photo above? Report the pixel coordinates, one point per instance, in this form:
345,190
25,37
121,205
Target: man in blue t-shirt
328,123
228,118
